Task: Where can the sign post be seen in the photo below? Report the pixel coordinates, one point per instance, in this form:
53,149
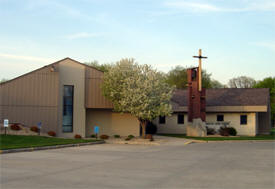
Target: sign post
39,127
6,125
96,131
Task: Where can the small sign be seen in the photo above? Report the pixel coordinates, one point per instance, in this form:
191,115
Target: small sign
6,123
96,129
39,125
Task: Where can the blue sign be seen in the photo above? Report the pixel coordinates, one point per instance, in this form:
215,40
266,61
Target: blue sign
96,129
39,125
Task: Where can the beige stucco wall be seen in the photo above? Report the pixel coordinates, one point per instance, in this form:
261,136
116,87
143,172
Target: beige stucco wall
111,123
71,73
171,126
234,118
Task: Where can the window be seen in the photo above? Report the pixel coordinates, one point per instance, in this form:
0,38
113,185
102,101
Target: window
162,120
68,98
243,119
180,119
219,117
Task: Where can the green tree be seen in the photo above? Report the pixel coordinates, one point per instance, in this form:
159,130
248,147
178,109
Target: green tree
102,67
216,84
178,77
138,90
269,82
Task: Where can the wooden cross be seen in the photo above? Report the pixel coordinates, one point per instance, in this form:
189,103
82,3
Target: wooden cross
200,69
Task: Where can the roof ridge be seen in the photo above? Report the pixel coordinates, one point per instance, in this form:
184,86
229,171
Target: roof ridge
57,62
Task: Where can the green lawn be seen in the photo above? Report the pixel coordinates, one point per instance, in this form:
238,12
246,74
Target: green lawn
19,141
264,137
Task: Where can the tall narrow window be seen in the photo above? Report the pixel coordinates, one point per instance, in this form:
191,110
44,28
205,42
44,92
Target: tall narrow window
243,119
180,119
162,120
68,107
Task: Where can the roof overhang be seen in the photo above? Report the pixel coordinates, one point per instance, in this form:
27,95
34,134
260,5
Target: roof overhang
210,109
236,109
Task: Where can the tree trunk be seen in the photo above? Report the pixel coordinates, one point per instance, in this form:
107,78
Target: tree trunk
143,125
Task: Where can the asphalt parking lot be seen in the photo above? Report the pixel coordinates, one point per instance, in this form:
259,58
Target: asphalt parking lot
205,165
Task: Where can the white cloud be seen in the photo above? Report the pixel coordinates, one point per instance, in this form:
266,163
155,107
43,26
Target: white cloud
28,58
62,7
191,5
82,35
195,6
269,45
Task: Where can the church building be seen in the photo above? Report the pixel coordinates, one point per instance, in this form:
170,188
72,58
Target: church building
66,98
247,110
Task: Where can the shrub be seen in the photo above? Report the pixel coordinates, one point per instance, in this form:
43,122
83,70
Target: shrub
232,131
151,128
34,129
93,135
117,136
15,127
104,137
51,133
77,136
272,132
131,136
128,138
210,131
224,131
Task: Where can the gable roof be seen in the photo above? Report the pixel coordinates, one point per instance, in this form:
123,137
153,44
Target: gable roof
226,97
52,64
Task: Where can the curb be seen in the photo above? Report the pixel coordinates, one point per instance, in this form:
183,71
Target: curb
224,141
31,149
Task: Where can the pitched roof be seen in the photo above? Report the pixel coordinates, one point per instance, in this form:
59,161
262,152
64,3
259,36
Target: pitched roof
57,62
226,97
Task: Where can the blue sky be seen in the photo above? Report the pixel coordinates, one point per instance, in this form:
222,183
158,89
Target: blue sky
238,36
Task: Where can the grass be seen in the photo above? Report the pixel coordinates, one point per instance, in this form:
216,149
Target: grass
20,141
262,137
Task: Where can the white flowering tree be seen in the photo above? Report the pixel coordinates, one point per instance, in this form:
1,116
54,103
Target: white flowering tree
138,90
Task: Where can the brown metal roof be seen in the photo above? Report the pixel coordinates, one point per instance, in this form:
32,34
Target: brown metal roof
227,97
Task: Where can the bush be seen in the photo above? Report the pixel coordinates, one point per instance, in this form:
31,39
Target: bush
210,131
224,131
77,136
131,136
232,131
128,138
116,136
15,127
34,129
104,137
93,135
51,133
272,132
151,128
